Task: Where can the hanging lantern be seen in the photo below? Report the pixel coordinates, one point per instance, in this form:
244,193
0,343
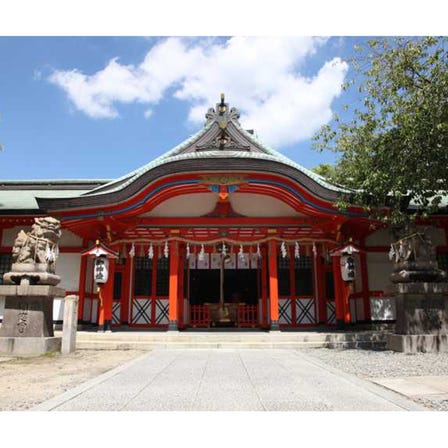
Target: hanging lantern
132,251
258,253
187,251
283,250
101,270
314,250
151,252
224,249
297,250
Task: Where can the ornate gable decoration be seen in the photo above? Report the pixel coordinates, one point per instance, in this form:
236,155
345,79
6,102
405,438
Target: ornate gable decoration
222,114
224,135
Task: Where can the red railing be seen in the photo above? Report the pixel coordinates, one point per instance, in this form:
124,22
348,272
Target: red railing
247,316
200,316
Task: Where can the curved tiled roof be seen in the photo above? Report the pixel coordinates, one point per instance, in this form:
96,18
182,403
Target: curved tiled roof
221,145
179,153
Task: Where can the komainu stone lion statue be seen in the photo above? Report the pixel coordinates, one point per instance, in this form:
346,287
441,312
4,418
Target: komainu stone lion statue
34,254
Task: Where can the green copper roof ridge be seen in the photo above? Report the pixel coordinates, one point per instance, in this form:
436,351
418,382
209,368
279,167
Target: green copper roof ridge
58,181
276,154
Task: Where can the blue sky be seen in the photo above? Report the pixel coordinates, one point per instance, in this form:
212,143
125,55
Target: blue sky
99,107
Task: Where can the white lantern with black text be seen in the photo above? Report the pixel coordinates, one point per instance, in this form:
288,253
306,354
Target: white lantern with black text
101,270
348,271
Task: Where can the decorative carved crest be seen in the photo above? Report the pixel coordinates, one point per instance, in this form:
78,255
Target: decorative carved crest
223,137
223,179
222,114
223,141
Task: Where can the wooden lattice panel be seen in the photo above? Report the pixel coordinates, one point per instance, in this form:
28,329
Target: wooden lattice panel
141,311
305,311
331,312
161,312
116,307
297,312
150,312
285,311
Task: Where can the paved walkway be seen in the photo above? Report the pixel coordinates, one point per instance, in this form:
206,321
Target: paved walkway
422,387
227,380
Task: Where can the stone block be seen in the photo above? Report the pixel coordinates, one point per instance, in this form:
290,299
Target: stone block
27,316
28,310
421,314
417,343
70,324
29,346
31,290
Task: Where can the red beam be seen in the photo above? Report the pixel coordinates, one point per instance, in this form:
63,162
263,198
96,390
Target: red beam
229,222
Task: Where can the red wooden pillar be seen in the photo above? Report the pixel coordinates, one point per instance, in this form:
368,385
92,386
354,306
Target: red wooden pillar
365,284
174,286
341,292
106,300
273,285
82,288
264,287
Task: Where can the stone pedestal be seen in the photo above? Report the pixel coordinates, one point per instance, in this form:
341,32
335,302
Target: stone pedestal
422,318
424,313
415,343
29,346
27,327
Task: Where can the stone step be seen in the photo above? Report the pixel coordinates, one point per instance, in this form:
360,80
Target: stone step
244,338
114,345
148,341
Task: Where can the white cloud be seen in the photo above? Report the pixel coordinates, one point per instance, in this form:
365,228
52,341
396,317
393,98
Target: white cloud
260,76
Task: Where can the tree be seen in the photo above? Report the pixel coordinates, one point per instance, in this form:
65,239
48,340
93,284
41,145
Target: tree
394,148
325,170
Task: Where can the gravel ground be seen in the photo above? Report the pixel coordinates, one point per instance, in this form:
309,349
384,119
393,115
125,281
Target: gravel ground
26,382
387,364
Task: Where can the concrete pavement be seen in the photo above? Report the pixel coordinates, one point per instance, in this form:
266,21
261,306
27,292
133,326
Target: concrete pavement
228,380
417,387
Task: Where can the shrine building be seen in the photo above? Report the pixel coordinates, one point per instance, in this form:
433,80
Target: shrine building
220,231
